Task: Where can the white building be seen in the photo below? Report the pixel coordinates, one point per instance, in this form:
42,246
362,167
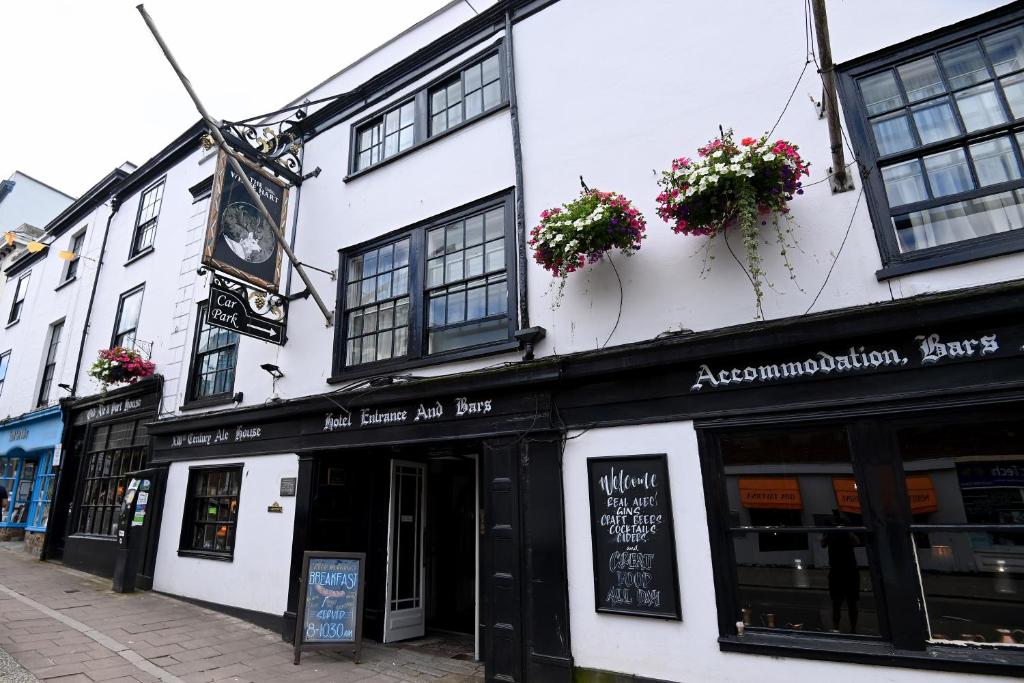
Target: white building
880,392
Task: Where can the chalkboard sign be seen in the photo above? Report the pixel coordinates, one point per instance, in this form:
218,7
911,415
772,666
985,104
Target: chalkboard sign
632,535
331,602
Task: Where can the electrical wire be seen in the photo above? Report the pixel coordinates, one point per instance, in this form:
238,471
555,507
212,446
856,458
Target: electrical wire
840,251
618,317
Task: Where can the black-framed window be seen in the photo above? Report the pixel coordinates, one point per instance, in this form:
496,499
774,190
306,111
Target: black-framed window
214,358
50,363
464,94
20,292
145,222
906,534
129,308
112,451
438,289
385,136
940,126
472,91
71,267
210,520
5,362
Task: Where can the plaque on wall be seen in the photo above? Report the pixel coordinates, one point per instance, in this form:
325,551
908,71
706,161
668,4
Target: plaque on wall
632,535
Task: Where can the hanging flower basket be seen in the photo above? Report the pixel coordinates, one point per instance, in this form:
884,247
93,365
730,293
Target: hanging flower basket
120,366
730,184
584,230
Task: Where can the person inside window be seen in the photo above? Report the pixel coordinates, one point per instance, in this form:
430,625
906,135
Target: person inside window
843,573
3,502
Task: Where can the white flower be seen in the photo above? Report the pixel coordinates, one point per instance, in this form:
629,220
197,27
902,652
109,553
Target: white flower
737,159
717,153
749,174
769,157
734,167
711,179
719,168
559,238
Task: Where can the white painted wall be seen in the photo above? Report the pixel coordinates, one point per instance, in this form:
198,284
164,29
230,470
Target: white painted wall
32,202
257,578
688,650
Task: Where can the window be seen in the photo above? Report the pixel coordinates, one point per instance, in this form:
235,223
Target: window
455,99
213,361
43,494
812,519
145,223
385,136
127,322
71,268
50,366
5,361
211,511
438,288
19,299
16,475
471,92
944,127
112,451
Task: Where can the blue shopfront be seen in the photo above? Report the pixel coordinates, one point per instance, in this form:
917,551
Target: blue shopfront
28,444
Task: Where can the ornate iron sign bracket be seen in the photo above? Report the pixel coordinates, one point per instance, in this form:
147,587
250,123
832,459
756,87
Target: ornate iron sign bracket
271,144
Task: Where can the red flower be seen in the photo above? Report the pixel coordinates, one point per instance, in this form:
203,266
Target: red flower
747,142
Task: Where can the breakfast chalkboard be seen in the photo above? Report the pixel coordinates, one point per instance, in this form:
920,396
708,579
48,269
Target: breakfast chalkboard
331,601
632,536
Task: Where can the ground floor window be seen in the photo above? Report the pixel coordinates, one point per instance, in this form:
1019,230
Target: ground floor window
112,451
17,476
908,530
42,494
211,511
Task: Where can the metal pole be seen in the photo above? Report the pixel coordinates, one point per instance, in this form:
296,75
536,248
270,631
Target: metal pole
232,157
840,183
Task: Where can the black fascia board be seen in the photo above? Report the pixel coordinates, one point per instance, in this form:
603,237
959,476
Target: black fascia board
472,32
71,217
170,155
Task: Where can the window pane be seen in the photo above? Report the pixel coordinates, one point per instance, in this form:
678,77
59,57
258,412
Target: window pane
370,320
474,261
455,115
437,311
921,79
880,93
490,69
935,121
1013,88
495,255
980,108
438,123
401,282
386,315
492,95
383,286
1006,50
438,101
474,103
904,183
960,221
964,66
476,303
370,263
435,272
401,312
453,237
369,291
497,298
472,76
405,138
391,145
454,93
474,230
948,173
892,134
470,334
994,161
453,267
435,242
384,345
401,253
495,222
391,122
456,307
401,344
369,348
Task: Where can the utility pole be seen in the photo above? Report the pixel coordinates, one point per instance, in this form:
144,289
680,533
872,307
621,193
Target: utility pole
840,181
233,160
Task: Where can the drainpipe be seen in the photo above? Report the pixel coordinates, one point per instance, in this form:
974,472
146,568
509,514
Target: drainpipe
517,153
115,203
840,181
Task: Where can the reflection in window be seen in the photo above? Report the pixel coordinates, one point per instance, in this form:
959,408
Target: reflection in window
212,510
798,545
970,538
377,304
112,452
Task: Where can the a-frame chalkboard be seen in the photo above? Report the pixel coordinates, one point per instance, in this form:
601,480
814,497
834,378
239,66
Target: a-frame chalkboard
330,613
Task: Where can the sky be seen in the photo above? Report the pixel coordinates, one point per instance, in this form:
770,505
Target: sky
85,86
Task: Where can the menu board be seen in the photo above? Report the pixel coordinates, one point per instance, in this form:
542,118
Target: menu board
632,535
331,609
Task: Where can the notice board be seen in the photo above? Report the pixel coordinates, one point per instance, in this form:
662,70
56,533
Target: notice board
330,610
632,535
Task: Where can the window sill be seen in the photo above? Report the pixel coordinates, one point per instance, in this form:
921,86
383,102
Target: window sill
205,555
145,252
210,402
961,659
951,255
370,370
64,284
434,138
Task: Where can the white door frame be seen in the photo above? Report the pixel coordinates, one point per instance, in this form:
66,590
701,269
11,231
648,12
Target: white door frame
402,624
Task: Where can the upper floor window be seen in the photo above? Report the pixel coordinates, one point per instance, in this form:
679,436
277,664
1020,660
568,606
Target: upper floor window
943,126
385,136
145,223
71,268
127,321
50,364
20,291
437,288
213,361
5,361
459,97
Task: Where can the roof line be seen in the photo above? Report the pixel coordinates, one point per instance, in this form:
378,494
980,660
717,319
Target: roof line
46,185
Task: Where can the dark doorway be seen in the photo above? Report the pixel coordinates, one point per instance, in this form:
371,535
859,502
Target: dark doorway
451,544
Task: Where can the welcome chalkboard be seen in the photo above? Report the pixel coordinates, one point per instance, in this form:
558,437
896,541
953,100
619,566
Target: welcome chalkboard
633,538
331,601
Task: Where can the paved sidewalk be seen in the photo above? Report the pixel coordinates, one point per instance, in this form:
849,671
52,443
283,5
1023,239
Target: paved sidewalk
68,627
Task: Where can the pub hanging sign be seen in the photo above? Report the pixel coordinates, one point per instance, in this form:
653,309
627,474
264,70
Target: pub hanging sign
239,241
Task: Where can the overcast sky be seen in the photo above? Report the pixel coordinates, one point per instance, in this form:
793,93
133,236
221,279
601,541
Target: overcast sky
85,87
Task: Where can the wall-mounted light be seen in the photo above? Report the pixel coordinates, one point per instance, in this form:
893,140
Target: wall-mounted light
274,371
67,388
